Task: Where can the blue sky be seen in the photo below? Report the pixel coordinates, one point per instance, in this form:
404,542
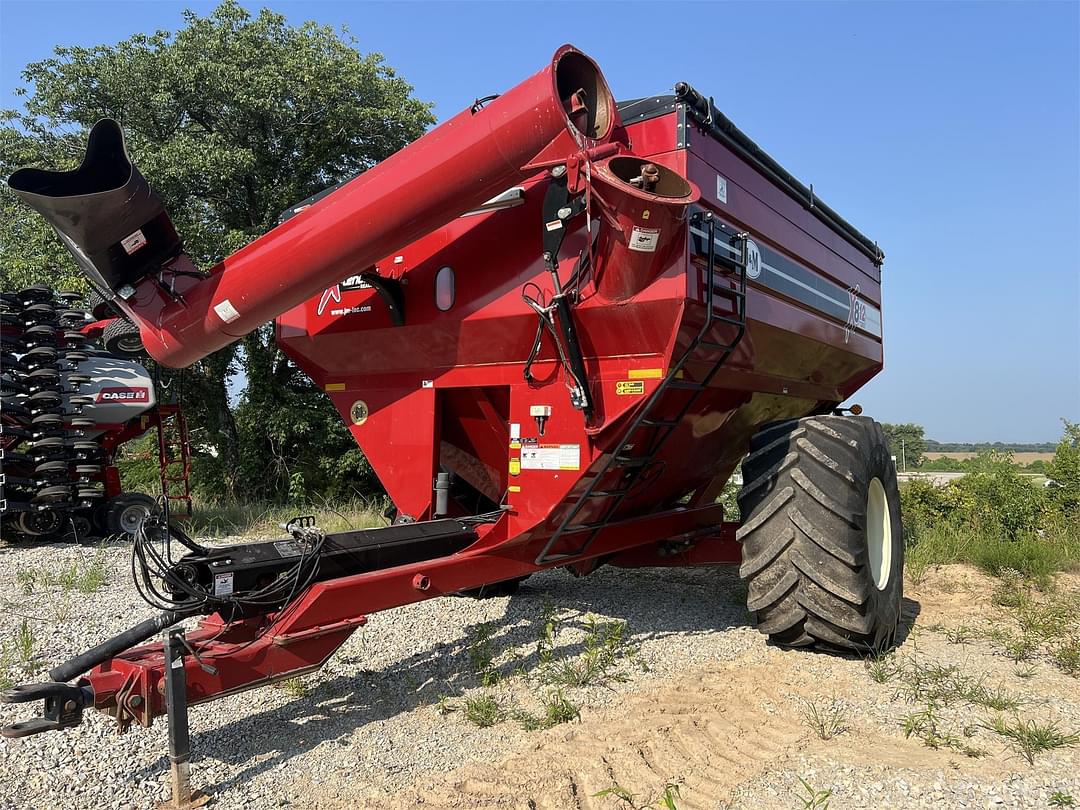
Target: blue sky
949,132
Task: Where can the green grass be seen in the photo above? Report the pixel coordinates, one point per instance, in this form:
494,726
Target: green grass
606,650
665,800
24,642
558,709
926,725
482,653
1060,798
1033,556
84,577
1030,738
483,711
227,518
826,720
810,798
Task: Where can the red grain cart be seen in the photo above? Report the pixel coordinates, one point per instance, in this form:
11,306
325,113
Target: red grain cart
555,325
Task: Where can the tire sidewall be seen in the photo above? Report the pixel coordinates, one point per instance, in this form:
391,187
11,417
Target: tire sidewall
885,603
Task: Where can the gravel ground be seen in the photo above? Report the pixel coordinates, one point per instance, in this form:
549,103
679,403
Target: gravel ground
699,701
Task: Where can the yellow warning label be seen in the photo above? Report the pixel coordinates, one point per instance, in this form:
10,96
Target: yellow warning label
645,373
515,445
514,488
515,466
335,386
626,388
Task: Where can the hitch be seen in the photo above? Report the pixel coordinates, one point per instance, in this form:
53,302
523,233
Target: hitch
64,704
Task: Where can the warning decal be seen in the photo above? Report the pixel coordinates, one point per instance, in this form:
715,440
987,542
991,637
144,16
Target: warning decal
626,388
645,239
551,457
226,311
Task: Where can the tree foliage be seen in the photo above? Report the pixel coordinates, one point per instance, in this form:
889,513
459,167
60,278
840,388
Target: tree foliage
906,442
232,118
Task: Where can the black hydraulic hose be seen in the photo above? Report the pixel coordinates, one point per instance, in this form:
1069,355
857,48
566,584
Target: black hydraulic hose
115,645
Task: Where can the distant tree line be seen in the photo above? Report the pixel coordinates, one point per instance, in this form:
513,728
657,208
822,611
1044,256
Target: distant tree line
983,447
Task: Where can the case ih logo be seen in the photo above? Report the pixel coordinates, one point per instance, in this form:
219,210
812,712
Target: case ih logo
124,394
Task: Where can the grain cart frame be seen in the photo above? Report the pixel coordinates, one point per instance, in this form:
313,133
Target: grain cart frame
555,325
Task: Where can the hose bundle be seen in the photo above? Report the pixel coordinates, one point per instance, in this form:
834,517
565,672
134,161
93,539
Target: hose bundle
167,583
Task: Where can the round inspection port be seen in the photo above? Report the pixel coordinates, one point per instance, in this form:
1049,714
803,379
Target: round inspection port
421,582
358,413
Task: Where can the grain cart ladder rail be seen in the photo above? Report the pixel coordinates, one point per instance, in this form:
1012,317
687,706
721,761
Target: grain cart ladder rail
660,429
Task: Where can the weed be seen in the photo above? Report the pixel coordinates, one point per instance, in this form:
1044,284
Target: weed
445,705
1029,737
548,628
295,687
926,726
605,649
94,576
882,667
1020,648
558,709
1067,656
86,578
482,653
24,642
1011,590
811,798
1025,673
825,721
27,579
665,800
6,681
941,684
1060,798
483,711
960,635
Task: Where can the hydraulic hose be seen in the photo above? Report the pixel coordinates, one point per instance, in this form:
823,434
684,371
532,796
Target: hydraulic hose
141,632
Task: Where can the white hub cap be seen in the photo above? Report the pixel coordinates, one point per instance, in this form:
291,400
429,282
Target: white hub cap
132,518
878,534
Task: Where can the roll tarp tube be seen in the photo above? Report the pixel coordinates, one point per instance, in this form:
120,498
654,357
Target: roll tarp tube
141,632
706,113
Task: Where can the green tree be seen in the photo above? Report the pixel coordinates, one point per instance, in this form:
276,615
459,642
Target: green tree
906,442
232,118
1064,471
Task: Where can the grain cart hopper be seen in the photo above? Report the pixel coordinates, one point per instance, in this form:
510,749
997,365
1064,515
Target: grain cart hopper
555,325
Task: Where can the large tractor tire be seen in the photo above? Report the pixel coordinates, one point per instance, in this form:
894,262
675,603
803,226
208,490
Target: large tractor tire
823,545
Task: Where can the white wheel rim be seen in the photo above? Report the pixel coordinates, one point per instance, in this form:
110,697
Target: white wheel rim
132,518
878,534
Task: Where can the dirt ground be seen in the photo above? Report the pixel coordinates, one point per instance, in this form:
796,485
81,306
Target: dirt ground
735,733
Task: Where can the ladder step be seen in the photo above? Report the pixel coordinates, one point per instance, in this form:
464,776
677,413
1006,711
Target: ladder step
606,493
728,319
728,291
631,461
688,385
712,344
586,527
660,422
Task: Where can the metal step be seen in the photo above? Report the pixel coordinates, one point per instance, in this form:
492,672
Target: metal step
630,461
686,385
660,422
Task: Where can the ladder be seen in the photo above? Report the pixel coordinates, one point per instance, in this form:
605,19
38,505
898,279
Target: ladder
648,423
174,457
